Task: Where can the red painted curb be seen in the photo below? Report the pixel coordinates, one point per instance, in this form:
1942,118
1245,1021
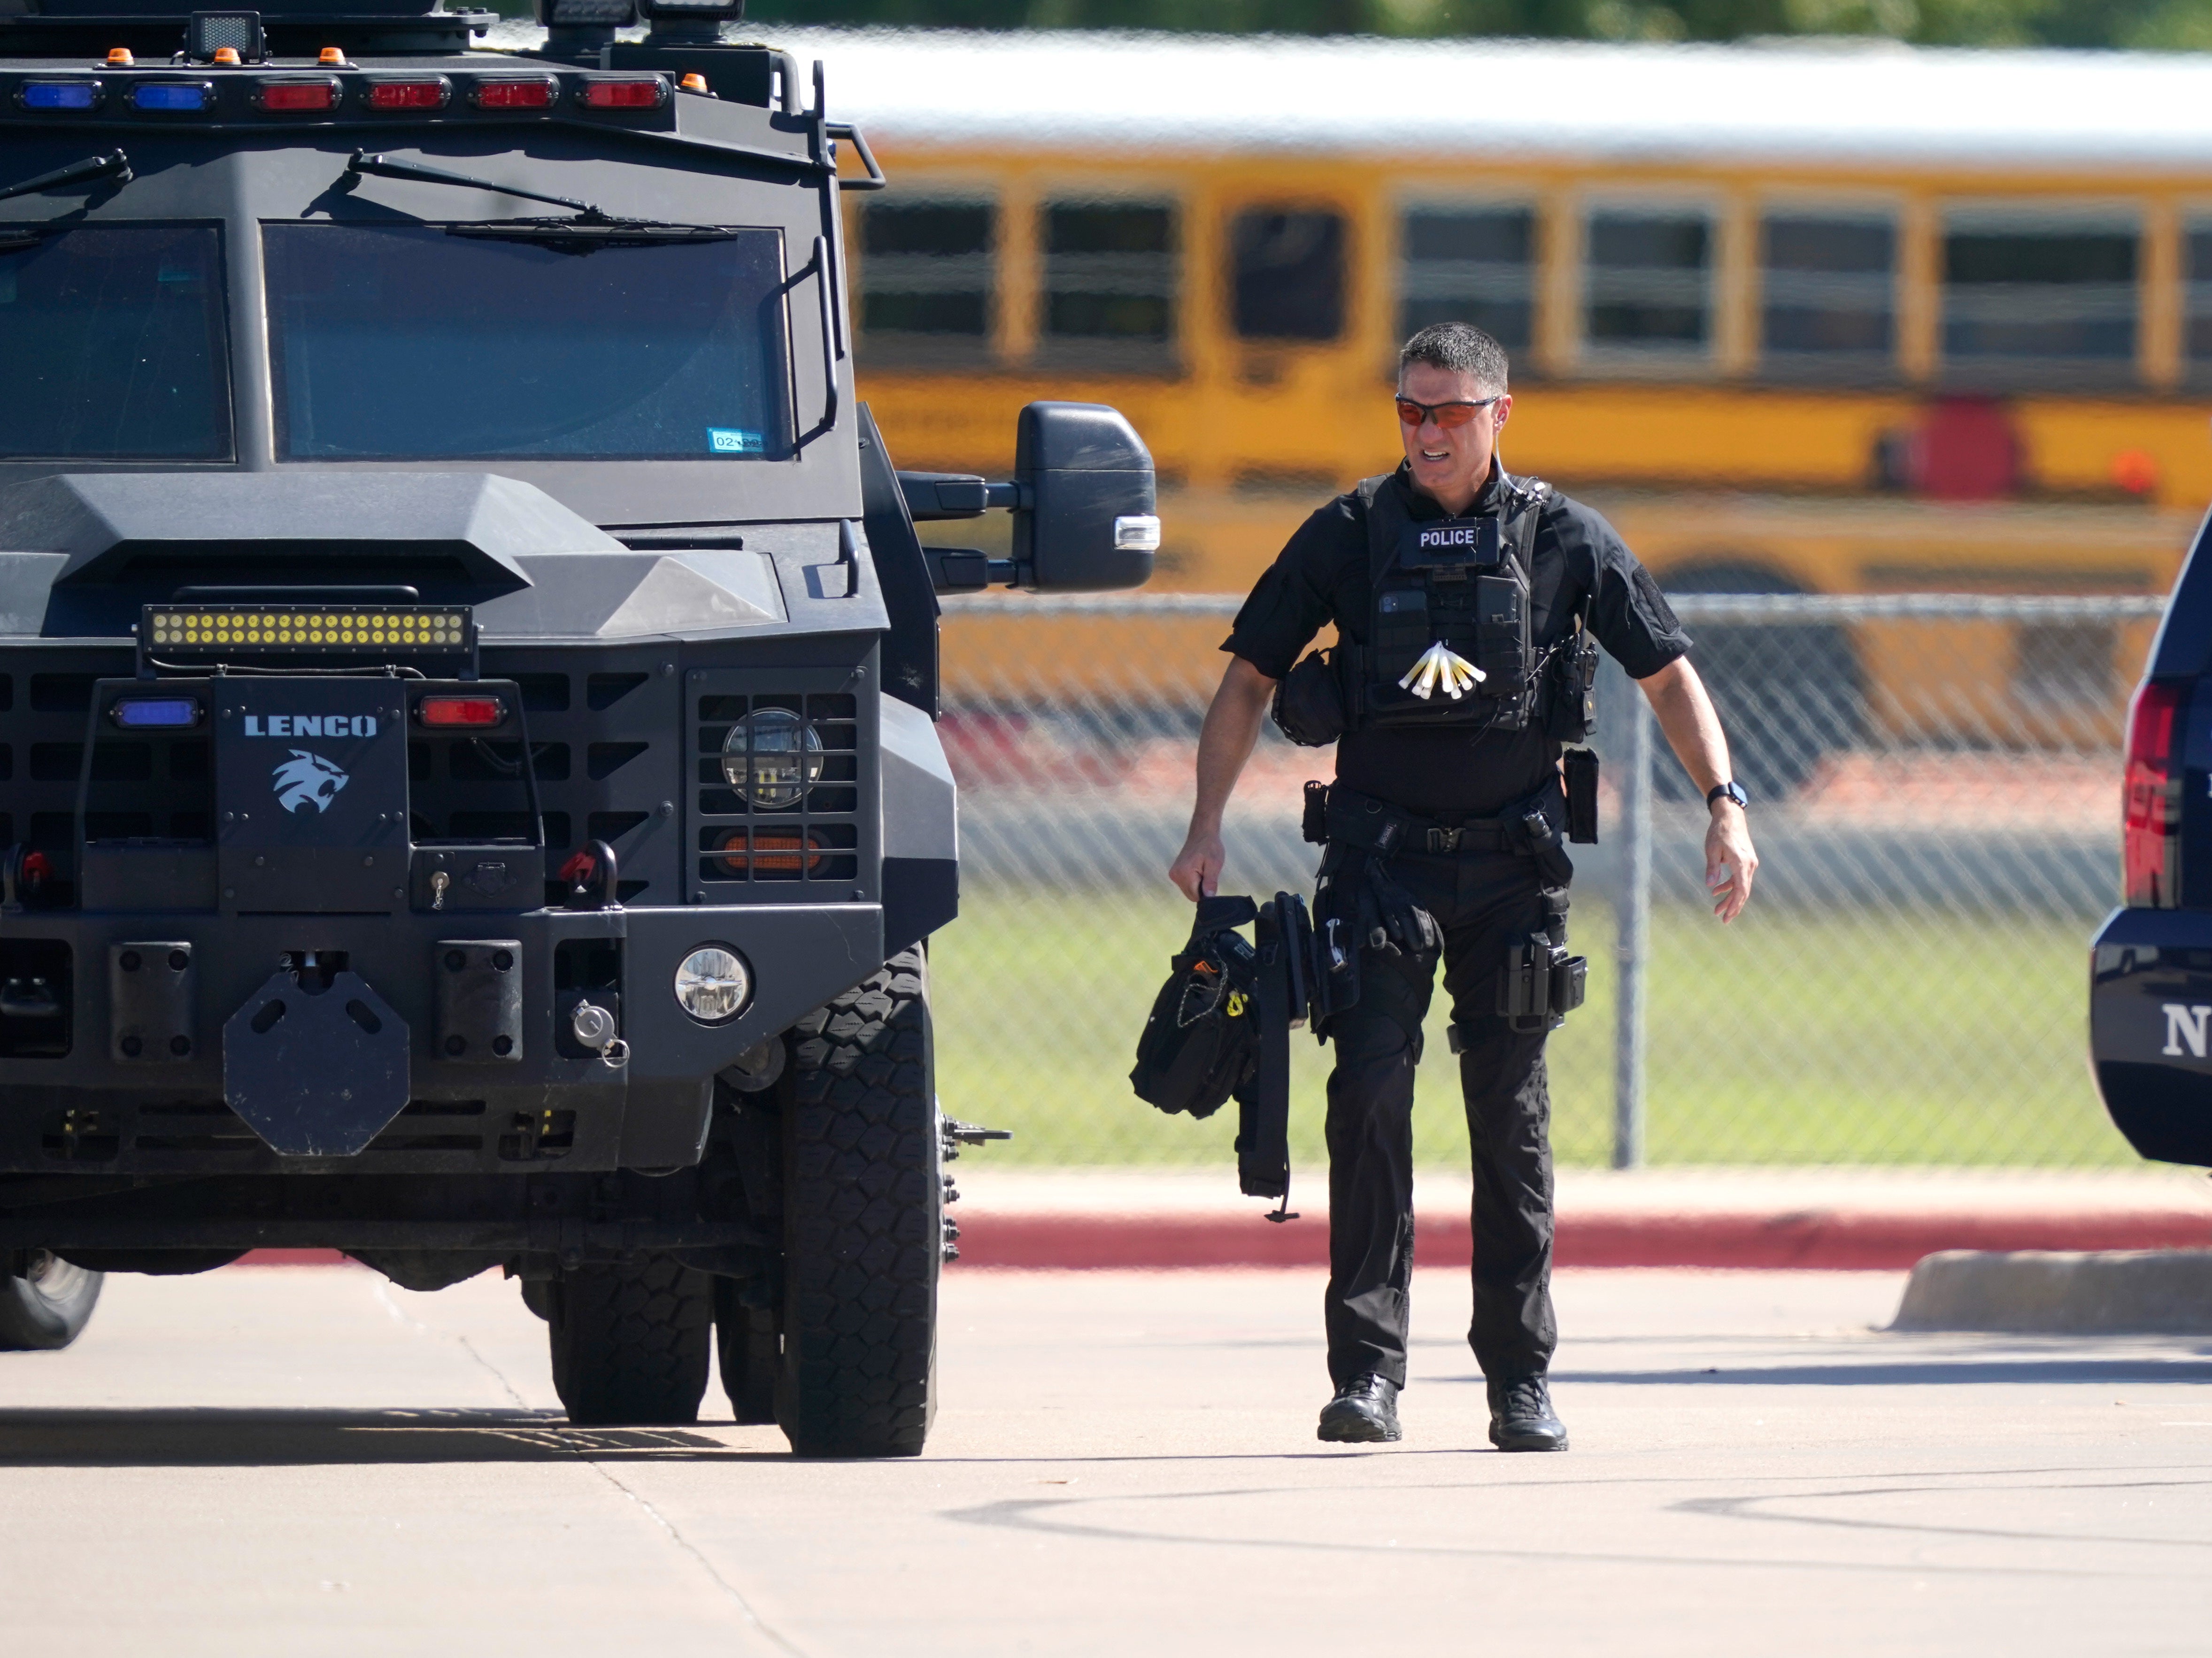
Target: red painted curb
1821,1239
1825,1240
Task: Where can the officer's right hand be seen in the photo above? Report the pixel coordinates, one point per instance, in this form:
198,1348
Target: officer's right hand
1196,871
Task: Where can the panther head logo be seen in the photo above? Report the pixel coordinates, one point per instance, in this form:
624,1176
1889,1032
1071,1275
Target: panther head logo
307,779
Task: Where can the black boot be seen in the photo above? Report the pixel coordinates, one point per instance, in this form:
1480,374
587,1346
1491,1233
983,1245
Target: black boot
1363,1412
1520,1417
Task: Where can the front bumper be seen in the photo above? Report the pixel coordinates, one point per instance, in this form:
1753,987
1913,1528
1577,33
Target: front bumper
2150,1030
95,1106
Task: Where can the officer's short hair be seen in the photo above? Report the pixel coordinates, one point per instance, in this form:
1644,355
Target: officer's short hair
1461,347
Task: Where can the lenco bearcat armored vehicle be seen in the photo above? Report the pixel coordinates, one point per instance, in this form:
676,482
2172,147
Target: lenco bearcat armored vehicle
468,783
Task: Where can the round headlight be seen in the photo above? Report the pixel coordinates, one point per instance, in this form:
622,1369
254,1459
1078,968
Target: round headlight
713,984
772,758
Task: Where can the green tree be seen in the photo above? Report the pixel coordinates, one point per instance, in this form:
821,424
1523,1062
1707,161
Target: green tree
2147,25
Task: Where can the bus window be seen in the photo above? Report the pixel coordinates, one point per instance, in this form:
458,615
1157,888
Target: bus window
2196,250
1287,273
1109,285
1647,290
1467,265
927,291
2038,298
1828,306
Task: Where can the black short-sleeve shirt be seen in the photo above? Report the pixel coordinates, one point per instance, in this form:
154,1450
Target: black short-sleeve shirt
1320,577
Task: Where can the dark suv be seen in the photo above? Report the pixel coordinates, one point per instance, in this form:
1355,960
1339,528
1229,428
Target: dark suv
2150,997
469,790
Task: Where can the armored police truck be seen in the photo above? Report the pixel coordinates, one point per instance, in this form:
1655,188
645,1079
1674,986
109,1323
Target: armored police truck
468,780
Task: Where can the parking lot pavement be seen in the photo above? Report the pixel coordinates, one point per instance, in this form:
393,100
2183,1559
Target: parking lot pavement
305,1461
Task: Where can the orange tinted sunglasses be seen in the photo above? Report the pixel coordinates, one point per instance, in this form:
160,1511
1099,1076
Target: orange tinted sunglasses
1446,415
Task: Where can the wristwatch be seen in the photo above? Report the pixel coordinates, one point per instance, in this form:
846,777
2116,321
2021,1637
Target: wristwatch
1729,791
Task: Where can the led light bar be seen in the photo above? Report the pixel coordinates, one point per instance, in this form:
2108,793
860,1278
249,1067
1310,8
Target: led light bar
380,632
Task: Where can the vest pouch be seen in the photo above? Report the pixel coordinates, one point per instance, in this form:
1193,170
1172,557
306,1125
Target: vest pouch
1403,631
1310,702
1501,648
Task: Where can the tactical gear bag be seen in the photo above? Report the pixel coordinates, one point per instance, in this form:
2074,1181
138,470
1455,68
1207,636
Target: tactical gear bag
1202,1039
1221,1027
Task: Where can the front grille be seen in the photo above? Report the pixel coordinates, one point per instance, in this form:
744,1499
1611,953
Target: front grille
783,808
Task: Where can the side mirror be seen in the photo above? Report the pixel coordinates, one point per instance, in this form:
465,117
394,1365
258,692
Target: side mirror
1088,522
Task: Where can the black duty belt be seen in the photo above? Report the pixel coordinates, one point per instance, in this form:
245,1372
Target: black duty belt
1334,812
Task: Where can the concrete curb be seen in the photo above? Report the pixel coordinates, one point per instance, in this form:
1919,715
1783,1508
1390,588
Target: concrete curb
2033,1293
1810,1239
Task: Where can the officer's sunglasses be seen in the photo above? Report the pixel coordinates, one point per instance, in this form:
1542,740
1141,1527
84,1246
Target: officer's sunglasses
1446,415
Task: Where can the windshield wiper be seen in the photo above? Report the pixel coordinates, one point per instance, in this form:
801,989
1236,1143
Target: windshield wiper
590,226
114,165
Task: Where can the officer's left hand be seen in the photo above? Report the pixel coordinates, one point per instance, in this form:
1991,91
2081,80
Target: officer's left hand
1730,863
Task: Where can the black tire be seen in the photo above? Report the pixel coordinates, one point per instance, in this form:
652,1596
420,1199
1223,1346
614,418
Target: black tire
863,1222
751,1351
629,1343
48,1306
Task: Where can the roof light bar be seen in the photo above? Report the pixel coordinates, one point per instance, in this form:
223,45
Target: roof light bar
297,93
430,93
172,97
531,92
58,94
624,92
206,632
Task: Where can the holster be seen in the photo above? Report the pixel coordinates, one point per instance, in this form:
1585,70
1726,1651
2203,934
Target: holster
1540,983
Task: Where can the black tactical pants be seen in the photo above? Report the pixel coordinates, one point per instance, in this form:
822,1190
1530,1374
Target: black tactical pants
1484,902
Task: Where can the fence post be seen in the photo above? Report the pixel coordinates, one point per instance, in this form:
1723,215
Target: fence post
1632,923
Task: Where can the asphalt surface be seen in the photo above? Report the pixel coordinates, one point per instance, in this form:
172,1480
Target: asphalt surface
308,1461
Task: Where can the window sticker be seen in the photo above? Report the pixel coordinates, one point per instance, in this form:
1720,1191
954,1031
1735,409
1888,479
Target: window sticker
730,441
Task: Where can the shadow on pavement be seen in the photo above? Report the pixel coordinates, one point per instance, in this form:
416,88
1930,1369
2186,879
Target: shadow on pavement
216,1438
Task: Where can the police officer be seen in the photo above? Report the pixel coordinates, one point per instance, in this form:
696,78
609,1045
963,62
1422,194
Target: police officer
1443,842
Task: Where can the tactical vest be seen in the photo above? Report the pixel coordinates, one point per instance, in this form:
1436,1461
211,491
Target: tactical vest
1462,584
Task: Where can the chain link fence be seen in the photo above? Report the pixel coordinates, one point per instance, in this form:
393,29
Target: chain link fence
1936,781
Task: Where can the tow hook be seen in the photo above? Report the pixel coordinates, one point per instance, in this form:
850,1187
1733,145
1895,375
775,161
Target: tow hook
593,1027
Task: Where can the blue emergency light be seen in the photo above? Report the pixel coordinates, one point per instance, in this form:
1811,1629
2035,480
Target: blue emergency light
59,94
170,95
139,714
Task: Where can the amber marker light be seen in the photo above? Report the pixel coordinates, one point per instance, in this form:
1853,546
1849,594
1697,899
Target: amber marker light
227,55
695,82
119,58
332,57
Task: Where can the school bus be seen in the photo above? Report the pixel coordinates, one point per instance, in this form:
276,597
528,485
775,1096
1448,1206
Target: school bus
1805,318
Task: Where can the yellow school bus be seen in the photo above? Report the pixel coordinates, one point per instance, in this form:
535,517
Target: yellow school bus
1884,276
1803,318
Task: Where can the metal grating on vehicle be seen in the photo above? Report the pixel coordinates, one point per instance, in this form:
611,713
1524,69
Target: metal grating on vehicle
782,806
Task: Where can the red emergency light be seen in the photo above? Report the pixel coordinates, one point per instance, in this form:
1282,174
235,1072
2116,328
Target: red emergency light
629,92
297,94
409,94
535,93
446,712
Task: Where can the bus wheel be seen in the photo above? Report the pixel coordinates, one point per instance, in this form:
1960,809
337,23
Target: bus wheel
47,1306
630,1342
863,1223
